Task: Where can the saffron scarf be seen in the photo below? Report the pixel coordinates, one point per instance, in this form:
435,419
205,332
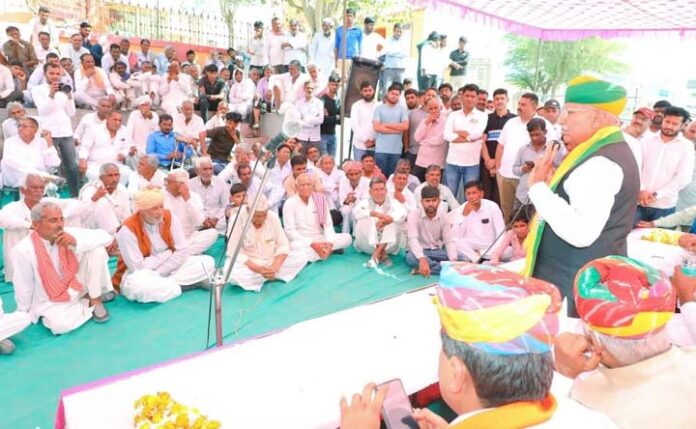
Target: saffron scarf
603,137
512,416
56,287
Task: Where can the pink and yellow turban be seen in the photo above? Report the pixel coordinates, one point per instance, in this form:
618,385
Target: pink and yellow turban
352,165
622,297
496,310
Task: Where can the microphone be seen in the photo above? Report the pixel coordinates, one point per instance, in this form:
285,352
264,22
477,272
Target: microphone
292,124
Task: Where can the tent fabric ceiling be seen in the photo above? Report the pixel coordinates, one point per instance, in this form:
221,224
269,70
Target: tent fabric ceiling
577,19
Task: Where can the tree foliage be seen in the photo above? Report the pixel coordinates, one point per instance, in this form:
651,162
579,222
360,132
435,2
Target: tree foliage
315,11
558,61
228,10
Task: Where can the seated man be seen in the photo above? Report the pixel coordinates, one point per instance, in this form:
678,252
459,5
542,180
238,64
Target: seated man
298,163
430,239
265,254
491,377
213,192
308,223
91,84
405,165
378,221
433,175
93,119
107,201
142,122
625,306
476,224
155,261
351,189
106,143
28,153
189,128
164,144
241,95
330,177
511,246
222,140
15,112
397,188
243,154
11,324
146,176
187,209
51,279
237,205
15,217
370,167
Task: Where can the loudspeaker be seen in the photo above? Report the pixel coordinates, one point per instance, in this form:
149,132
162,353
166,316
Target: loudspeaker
361,70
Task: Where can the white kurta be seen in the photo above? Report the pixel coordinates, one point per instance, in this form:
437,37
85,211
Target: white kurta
367,237
261,246
302,228
331,182
93,273
15,221
175,92
139,129
138,183
190,215
215,197
361,192
109,211
88,121
476,232
98,147
12,323
241,96
20,158
159,277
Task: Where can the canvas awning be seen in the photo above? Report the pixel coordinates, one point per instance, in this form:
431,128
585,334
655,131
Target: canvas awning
577,19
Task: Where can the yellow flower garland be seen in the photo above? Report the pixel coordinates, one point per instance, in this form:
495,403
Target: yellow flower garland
160,411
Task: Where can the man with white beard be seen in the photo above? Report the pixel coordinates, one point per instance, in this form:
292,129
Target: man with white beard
213,192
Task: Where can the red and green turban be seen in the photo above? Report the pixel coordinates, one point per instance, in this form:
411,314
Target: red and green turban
597,93
496,310
622,297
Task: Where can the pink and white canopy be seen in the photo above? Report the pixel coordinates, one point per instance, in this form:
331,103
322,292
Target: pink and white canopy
577,19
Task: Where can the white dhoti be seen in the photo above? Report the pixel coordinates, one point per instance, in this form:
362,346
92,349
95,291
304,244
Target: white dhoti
93,172
245,278
90,98
150,286
348,219
200,241
242,108
12,323
339,241
63,317
471,251
367,237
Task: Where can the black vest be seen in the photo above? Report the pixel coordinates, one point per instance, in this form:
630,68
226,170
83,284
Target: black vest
558,262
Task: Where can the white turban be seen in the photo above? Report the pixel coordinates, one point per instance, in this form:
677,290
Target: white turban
143,99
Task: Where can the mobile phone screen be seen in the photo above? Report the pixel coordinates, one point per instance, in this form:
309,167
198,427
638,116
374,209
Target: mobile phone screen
396,409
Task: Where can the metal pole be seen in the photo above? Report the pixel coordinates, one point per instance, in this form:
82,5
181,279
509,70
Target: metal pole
536,70
343,81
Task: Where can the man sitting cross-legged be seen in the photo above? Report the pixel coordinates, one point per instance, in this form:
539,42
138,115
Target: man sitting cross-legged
308,222
265,254
107,200
378,221
155,261
55,268
213,192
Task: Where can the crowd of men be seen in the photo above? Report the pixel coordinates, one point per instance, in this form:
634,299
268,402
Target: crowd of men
439,173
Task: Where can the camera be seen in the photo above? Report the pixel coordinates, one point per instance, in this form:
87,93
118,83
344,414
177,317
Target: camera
64,87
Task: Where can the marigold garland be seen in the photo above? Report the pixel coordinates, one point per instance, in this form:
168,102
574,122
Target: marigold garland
161,411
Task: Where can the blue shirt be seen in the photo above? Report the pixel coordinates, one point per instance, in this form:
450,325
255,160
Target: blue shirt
385,114
162,145
354,37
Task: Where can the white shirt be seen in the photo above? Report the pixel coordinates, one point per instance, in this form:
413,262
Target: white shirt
9,128
446,196
20,158
273,53
242,92
412,184
300,221
361,115
289,91
41,55
107,62
466,153
6,82
331,184
175,92
139,129
409,198
98,147
591,190
145,83
38,77
48,27
55,113
137,182
371,45
430,60
636,149
88,85
361,191
513,136
667,168
322,52
29,292
479,228
299,48
214,196
75,55
90,120
192,129
396,52
311,117
215,121
189,214
118,201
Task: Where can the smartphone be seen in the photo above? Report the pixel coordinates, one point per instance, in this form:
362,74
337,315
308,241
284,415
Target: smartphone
397,411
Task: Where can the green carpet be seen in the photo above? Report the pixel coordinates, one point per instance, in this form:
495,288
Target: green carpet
138,335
